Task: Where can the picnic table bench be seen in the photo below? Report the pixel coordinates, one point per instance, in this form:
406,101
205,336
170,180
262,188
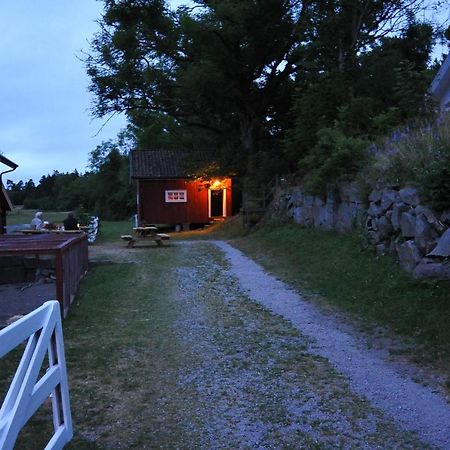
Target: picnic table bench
144,234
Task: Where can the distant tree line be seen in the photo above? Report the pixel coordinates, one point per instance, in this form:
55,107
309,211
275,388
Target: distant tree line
104,190
272,87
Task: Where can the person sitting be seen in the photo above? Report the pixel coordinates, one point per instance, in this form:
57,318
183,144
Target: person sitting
37,223
70,223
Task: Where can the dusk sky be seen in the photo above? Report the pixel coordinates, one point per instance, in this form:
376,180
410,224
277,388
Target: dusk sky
45,122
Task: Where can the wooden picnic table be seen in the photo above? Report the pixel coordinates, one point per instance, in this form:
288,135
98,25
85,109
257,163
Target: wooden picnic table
145,231
149,233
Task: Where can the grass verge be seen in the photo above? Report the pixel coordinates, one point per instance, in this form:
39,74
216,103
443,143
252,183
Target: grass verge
345,274
111,231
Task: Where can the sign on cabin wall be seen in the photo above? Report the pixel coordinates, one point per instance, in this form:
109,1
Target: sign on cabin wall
176,196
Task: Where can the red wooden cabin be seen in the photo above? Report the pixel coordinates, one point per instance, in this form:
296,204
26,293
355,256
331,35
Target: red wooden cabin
168,195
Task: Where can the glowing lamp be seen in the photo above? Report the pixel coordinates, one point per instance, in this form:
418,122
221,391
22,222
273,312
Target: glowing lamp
216,184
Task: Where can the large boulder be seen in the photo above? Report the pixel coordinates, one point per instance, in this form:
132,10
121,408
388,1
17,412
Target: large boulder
427,212
424,232
384,227
374,210
408,255
324,217
409,195
375,195
388,198
431,218
318,201
408,225
308,200
346,215
304,215
397,211
442,248
349,192
296,197
429,268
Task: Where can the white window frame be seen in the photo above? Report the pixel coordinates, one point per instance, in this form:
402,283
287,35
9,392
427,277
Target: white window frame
176,196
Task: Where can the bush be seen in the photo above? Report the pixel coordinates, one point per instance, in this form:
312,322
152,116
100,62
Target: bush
417,155
436,183
335,157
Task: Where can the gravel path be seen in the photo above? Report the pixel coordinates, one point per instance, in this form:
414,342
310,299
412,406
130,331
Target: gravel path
413,407
250,379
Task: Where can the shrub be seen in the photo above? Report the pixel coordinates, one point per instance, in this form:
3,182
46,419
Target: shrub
417,155
335,157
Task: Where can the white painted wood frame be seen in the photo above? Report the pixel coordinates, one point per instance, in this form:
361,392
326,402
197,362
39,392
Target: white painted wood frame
224,202
43,329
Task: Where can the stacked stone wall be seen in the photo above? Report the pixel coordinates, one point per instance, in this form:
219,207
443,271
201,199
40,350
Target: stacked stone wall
394,221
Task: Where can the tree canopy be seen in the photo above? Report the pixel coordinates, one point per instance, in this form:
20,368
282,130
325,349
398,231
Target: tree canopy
257,80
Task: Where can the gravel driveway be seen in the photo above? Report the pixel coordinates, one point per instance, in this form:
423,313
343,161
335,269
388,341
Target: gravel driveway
412,406
267,370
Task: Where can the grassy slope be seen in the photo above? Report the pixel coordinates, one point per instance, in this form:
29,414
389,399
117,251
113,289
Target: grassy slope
341,271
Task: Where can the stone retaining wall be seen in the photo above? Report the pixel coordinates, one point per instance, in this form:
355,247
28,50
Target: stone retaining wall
394,221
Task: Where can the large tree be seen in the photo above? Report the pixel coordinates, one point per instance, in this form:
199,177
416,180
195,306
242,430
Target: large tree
365,67
224,67
227,68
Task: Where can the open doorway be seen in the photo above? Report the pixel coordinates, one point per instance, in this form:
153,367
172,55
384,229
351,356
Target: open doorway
217,203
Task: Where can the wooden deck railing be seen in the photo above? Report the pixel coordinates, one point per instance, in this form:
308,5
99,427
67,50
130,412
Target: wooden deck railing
71,259
71,266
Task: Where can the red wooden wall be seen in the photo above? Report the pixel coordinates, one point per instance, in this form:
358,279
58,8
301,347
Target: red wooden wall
153,209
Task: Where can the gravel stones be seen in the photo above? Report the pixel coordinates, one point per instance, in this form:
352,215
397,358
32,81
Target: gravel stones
412,406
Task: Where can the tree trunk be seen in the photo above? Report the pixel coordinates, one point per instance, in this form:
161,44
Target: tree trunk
249,142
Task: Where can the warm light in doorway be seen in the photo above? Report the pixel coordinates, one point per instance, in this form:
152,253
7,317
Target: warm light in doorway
216,184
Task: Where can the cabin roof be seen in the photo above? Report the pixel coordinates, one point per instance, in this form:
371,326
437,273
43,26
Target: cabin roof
8,162
165,164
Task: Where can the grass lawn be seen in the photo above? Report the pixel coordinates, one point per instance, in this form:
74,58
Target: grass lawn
119,345
111,231
346,275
